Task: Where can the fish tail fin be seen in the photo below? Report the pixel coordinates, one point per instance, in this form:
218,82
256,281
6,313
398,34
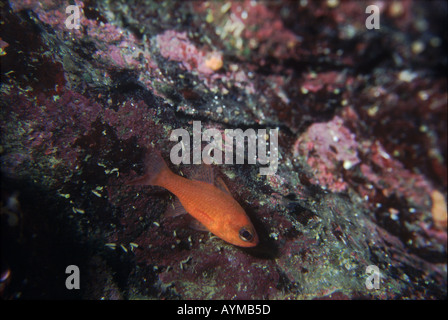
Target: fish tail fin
156,170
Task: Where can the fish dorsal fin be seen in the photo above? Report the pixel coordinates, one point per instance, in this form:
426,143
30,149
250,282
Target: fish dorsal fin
219,183
175,209
196,225
203,173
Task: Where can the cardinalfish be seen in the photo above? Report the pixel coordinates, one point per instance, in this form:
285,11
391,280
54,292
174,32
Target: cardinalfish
204,197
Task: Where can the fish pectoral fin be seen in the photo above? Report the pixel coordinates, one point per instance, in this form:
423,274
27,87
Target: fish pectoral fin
219,183
175,209
196,225
203,173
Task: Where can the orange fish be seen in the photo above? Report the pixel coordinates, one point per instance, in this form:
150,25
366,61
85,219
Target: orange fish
205,198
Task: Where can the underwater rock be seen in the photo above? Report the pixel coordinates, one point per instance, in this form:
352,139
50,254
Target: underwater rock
354,210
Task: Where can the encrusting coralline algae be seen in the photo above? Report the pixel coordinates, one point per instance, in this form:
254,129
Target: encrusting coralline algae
362,138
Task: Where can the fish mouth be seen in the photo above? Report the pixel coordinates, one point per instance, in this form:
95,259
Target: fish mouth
247,245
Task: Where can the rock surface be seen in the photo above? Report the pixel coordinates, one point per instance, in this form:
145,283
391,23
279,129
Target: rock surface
362,147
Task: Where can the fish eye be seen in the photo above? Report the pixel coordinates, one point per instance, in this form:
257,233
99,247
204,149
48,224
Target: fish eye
245,234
